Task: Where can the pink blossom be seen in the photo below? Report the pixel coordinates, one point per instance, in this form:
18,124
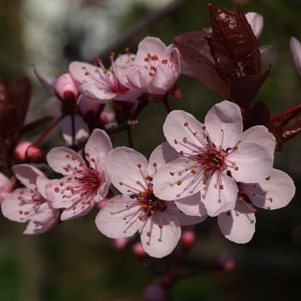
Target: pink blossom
154,70
214,156
6,186
256,22
30,204
86,181
295,47
138,208
273,192
101,84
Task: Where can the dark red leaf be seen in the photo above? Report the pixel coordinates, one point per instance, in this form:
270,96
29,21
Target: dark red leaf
233,43
285,125
244,89
259,115
195,51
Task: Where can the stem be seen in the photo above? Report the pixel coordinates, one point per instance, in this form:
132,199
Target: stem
286,112
130,138
48,130
166,104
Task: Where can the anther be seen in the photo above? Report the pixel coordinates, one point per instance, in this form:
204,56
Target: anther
185,123
268,178
139,165
179,183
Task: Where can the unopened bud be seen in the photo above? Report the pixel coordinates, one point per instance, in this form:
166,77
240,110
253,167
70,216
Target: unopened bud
65,89
120,244
35,154
20,151
188,239
224,261
138,251
154,292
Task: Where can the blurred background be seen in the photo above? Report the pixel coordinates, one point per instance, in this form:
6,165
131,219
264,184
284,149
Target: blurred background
74,261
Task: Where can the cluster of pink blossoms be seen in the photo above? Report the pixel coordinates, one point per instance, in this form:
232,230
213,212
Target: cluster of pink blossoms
203,169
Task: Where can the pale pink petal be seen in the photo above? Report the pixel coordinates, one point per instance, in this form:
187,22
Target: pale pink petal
261,135
77,210
264,50
119,217
45,80
184,219
272,193
295,47
122,165
239,226
6,186
174,129
162,155
82,131
46,214
254,162
165,185
27,174
224,124
121,70
192,205
256,22
149,45
105,186
163,80
42,182
87,105
98,93
79,70
35,228
161,242
98,146
218,200
60,159
138,78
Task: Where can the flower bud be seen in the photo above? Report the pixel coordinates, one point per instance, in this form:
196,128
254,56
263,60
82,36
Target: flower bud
138,251
119,244
65,89
20,151
154,292
224,261
35,154
188,239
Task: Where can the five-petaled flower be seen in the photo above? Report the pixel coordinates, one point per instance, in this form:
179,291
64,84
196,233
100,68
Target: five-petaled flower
86,180
214,156
138,208
29,204
154,70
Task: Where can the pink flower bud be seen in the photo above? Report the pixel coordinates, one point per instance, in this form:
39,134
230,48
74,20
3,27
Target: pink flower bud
120,244
138,251
65,88
35,154
225,261
154,292
20,151
188,239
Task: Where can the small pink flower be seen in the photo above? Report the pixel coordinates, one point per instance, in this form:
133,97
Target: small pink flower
154,70
295,47
138,209
30,204
214,156
6,186
101,84
86,181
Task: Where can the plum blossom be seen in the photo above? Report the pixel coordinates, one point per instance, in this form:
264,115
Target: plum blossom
154,70
101,84
6,186
273,192
256,22
295,47
138,208
30,204
86,180
213,157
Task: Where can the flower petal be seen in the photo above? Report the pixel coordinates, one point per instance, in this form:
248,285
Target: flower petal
27,174
119,217
192,205
162,81
295,47
239,226
122,165
256,22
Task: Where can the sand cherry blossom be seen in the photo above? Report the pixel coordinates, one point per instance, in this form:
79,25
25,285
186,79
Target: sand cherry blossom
6,186
295,47
154,70
213,158
274,192
86,181
138,208
29,204
99,83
